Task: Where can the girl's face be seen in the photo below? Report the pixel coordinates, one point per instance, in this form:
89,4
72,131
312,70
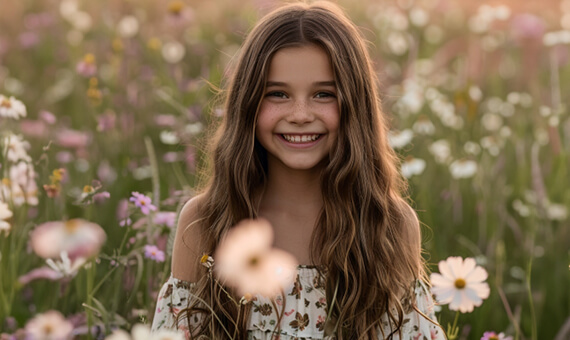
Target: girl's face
299,116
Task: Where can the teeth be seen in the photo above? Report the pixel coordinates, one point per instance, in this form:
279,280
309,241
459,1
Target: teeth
301,139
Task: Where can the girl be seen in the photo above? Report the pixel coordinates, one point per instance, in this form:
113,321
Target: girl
304,145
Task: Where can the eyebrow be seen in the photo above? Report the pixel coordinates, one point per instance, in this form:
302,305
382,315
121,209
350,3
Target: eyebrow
317,83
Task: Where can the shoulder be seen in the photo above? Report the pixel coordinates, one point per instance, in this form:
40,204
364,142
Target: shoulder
187,243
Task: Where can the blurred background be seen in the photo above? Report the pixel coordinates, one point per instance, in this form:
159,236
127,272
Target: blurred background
120,96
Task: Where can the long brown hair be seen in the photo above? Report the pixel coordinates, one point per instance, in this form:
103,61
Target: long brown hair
367,237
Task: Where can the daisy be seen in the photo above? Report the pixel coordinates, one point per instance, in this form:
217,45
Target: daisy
173,52
77,237
441,150
49,325
246,260
11,108
461,284
17,148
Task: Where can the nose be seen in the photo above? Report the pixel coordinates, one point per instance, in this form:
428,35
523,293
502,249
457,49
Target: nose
300,113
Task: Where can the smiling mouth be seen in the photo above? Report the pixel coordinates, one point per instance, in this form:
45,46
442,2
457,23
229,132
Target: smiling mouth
301,138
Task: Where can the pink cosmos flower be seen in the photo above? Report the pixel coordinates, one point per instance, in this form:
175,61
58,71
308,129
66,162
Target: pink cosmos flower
73,139
87,67
77,237
153,253
47,117
49,325
461,284
495,336
143,202
246,260
167,218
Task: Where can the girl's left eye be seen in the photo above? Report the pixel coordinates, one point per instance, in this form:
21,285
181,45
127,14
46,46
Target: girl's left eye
324,95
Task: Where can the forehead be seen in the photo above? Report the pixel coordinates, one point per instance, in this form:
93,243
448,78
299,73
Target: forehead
307,62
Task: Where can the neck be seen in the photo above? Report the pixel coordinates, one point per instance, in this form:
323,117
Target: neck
293,189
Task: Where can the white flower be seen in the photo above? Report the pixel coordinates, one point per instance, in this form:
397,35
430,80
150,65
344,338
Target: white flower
413,98
419,17
461,284
17,147
472,148
81,21
463,168
169,137
77,237
66,267
400,139
492,144
397,42
413,166
246,260
5,214
475,93
441,150
50,325
173,52
128,27
11,108
423,126
521,208
491,121
556,212
21,186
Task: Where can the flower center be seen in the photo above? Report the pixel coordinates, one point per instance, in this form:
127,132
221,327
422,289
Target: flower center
48,329
6,103
175,7
71,226
460,283
493,337
253,261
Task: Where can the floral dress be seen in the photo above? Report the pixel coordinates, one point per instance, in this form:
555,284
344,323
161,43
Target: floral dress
302,310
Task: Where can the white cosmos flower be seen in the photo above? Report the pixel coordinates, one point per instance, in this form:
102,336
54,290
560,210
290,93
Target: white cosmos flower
424,126
245,260
49,325
398,42
11,108
169,137
17,147
413,166
463,168
441,150
400,139
556,212
472,148
81,21
5,214
461,284
173,52
128,27
491,121
64,266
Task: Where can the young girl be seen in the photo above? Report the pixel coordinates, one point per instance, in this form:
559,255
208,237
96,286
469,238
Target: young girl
304,145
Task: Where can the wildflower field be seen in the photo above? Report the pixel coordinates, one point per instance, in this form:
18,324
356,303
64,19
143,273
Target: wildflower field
105,106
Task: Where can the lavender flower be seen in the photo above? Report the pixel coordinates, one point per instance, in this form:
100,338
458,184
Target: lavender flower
153,253
143,202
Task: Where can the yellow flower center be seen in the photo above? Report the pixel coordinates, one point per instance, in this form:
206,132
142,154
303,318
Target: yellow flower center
460,283
153,44
71,226
253,261
6,103
204,258
6,181
88,189
48,329
494,337
89,58
175,7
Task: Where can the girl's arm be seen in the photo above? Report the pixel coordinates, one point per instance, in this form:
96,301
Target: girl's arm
186,252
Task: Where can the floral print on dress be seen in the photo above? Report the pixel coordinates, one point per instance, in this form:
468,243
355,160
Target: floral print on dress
300,312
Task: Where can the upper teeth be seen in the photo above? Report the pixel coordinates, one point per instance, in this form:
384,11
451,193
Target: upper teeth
300,139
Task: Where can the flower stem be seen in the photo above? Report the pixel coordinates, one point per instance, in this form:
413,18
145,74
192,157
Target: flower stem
453,331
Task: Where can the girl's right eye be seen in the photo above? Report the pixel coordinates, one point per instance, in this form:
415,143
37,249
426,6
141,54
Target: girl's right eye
277,94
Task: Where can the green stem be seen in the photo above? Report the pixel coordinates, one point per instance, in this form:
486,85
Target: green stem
89,300
454,330
531,301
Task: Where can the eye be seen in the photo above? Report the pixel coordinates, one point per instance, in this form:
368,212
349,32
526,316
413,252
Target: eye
277,94
325,95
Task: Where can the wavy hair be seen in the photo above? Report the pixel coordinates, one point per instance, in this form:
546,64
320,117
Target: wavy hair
367,238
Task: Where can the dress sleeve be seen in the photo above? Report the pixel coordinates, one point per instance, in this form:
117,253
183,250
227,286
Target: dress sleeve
172,299
427,326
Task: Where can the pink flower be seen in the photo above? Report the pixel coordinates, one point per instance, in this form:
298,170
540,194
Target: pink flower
143,202
101,197
461,284
34,128
527,26
50,325
495,336
48,117
76,237
166,218
153,253
73,139
87,66
246,260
